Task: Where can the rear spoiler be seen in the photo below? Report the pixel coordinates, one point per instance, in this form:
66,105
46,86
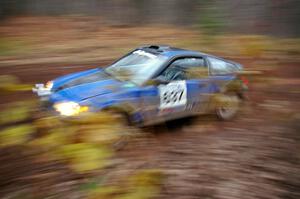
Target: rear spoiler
249,76
249,73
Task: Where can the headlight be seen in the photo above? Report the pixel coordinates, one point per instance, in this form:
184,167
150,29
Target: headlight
49,85
69,108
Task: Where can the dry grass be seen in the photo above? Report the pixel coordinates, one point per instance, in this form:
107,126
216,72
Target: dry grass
83,40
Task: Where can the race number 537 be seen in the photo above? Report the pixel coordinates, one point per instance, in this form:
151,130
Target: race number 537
172,94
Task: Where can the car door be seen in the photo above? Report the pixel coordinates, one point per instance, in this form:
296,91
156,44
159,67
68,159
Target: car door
221,72
198,84
184,93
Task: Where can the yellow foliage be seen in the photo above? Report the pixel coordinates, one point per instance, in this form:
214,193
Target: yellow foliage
17,87
15,112
93,118
83,157
47,122
49,141
11,83
101,134
15,135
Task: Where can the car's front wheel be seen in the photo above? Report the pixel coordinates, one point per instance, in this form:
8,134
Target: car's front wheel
121,120
228,106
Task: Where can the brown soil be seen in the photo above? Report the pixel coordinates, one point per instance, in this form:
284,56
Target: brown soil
254,156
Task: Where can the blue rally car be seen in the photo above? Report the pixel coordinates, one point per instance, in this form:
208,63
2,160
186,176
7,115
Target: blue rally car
149,85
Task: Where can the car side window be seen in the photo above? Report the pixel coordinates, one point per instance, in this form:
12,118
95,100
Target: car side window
220,67
181,68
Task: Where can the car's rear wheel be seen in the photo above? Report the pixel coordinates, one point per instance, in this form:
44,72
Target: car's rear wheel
228,106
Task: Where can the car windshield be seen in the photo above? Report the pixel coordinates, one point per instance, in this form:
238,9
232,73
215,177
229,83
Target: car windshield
137,67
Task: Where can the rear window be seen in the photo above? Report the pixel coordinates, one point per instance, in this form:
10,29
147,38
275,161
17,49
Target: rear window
220,67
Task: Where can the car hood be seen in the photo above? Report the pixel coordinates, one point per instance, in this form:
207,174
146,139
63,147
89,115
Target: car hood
83,85
74,79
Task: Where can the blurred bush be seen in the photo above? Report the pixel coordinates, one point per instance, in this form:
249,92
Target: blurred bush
16,112
11,83
84,157
16,135
83,146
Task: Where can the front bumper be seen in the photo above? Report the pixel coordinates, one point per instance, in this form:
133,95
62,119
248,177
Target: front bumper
42,91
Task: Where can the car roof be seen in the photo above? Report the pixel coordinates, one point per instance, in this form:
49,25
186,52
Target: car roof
172,52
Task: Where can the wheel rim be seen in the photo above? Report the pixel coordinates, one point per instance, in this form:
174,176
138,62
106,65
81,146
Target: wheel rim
229,106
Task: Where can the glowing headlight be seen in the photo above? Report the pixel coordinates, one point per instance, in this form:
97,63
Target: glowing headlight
69,108
49,85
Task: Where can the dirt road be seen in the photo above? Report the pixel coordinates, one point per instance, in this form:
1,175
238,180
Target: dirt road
254,156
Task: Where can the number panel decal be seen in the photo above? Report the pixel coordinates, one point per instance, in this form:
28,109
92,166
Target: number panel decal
173,94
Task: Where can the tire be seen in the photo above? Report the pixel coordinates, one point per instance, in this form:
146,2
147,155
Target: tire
228,106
